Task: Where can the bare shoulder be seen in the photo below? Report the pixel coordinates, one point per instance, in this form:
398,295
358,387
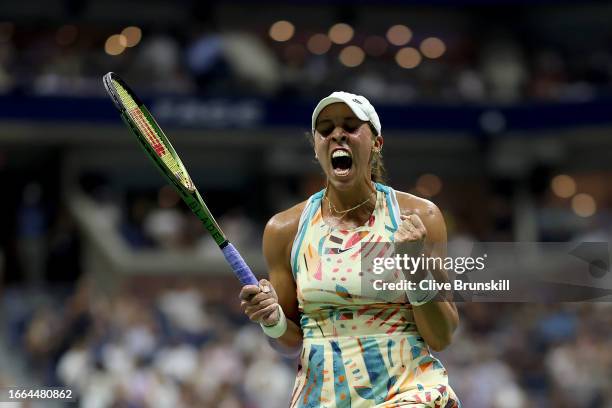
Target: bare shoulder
282,227
427,211
411,204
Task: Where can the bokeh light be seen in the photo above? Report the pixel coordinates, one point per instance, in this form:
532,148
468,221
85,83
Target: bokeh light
352,56
428,185
115,44
399,35
584,205
319,44
282,31
408,57
433,47
66,35
341,33
133,35
563,186
375,45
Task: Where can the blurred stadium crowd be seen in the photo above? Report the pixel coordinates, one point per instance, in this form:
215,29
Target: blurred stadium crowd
188,346
182,341
218,51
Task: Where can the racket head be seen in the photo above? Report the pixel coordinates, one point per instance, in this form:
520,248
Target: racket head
148,132
158,148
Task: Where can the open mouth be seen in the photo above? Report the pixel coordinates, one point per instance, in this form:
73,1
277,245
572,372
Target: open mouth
341,162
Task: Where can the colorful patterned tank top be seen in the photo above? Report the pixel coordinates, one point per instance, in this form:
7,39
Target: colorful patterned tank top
359,350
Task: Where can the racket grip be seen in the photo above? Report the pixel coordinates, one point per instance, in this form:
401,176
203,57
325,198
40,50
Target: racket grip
240,268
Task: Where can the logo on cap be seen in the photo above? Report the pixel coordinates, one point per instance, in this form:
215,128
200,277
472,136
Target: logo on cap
357,101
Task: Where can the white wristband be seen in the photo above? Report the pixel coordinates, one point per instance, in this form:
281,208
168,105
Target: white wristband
418,297
277,329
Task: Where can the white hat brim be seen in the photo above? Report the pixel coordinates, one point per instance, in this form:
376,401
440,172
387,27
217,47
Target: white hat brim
336,99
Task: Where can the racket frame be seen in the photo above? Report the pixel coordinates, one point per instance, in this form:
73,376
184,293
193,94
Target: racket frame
191,196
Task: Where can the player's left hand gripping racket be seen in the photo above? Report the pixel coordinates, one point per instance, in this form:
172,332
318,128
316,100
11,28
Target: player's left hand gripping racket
160,151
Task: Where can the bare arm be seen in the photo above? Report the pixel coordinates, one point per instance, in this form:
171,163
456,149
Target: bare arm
262,306
436,320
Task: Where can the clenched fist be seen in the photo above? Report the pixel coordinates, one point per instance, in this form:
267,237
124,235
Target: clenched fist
260,303
410,236
410,240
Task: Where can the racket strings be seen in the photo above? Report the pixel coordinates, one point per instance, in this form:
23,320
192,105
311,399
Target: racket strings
152,137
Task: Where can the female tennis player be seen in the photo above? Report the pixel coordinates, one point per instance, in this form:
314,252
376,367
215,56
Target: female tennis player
356,349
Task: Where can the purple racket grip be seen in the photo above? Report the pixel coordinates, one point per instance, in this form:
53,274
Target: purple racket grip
240,268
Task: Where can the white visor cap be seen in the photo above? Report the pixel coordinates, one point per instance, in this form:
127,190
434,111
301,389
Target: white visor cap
361,107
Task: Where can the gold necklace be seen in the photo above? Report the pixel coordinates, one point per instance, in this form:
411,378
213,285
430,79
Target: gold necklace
333,208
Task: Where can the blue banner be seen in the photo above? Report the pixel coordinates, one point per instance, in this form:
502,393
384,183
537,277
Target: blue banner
223,113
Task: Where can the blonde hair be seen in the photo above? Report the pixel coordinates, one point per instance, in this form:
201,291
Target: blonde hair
378,173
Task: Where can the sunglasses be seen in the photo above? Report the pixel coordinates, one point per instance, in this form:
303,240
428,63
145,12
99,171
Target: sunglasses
350,125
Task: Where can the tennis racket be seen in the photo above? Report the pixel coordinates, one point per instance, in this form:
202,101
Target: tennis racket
158,148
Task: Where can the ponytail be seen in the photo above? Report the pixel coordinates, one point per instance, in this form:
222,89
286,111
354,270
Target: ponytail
379,173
